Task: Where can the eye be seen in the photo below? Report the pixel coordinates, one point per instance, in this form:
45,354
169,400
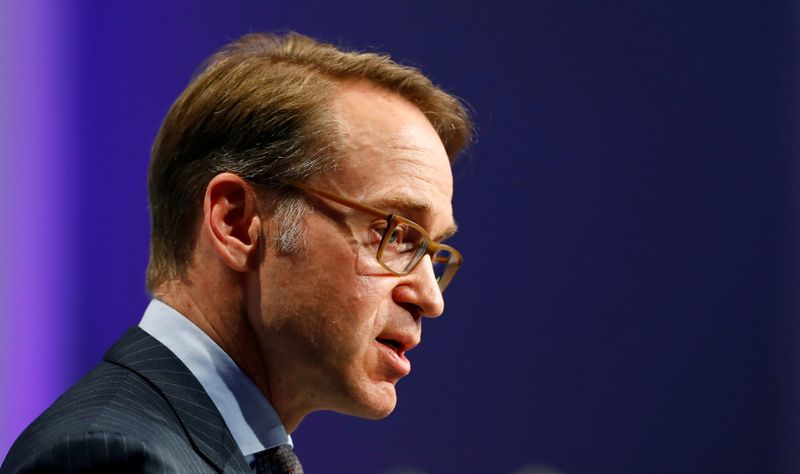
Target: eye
396,236
402,240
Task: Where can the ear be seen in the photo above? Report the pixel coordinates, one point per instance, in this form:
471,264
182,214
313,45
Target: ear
231,221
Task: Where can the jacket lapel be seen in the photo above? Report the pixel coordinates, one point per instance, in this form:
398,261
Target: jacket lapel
143,354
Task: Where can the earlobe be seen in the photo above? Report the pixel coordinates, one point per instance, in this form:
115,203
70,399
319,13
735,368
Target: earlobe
231,221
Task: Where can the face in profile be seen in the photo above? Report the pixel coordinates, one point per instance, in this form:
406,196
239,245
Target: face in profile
339,331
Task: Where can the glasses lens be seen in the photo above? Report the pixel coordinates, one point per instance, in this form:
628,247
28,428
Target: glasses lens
445,264
403,246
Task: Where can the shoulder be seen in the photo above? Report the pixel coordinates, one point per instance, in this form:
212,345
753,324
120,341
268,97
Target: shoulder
92,451
112,420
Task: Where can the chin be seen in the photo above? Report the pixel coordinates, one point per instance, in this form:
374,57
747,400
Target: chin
375,403
377,414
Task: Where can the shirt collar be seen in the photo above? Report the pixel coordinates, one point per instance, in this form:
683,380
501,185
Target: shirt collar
250,417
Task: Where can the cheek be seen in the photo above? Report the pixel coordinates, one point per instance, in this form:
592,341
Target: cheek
348,348
354,316
322,305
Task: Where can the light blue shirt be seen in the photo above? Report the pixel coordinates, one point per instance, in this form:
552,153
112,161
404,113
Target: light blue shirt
252,421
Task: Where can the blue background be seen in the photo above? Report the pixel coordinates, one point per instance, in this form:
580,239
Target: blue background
628,219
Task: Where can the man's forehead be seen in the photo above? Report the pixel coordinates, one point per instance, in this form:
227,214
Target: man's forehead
392,158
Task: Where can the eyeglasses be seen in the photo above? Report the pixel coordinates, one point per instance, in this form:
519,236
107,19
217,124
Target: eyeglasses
400,243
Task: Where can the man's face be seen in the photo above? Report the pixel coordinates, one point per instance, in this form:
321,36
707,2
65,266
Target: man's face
333,335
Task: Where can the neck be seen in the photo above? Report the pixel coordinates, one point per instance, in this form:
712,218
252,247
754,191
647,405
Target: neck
217,308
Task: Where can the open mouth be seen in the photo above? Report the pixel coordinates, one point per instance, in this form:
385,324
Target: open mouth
395,345
394,357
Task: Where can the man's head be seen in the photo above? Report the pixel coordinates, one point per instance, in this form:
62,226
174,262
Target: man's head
286,280
261,108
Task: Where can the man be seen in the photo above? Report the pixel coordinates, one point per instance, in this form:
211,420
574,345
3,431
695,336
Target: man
298,195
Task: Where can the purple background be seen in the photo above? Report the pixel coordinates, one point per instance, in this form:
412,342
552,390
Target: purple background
629,217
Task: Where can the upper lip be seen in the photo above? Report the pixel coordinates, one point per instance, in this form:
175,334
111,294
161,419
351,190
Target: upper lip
399,341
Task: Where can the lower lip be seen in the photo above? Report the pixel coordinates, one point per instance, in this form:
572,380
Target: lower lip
399,364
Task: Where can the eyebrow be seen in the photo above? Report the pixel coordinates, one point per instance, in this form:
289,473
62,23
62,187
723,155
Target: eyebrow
402,203
415,205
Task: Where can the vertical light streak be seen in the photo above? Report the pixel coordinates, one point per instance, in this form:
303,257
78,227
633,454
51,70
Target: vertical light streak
4,227
36,160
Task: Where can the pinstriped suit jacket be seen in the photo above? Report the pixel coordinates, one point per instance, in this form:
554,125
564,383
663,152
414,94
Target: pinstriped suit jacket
141,410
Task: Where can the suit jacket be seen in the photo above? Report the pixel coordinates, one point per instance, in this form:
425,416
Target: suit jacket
141,410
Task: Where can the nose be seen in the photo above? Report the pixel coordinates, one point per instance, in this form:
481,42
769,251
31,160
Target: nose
420,289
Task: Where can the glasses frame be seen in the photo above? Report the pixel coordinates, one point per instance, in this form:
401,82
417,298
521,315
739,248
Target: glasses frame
431,247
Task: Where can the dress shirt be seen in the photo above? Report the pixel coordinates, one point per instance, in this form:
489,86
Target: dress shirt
250,417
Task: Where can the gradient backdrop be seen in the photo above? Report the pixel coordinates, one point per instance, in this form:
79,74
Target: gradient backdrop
629,217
